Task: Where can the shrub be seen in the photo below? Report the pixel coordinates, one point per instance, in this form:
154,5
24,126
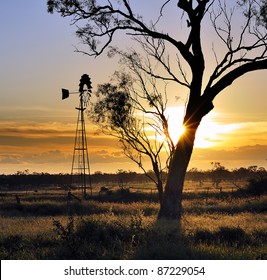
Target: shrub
232,236
11,246
204,236
257,187
224,235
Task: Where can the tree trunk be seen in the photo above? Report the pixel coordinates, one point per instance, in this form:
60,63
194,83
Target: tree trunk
171,206
159,183
160,190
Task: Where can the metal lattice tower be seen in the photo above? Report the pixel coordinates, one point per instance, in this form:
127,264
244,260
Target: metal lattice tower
80,170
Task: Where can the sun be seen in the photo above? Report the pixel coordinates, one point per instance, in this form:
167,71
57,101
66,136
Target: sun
209,134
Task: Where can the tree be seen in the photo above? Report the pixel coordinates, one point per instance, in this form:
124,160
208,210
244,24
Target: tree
218,174
244,52
122,110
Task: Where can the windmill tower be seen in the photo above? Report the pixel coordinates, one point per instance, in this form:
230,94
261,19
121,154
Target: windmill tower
80,169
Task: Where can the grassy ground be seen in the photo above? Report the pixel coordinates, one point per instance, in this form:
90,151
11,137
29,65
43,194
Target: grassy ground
214,226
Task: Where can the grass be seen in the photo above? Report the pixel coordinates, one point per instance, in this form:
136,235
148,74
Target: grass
221,226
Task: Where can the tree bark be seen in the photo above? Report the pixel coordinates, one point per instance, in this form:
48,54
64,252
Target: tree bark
171,206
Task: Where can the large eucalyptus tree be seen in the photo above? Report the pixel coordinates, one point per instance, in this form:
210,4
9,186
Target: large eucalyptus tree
244,51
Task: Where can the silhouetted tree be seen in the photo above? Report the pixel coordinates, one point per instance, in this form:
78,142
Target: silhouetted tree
218,174
244,51
196,175
120,111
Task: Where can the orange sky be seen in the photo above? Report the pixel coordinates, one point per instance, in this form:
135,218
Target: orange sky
37,128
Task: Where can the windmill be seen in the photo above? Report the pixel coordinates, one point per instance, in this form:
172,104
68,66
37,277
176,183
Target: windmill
80,169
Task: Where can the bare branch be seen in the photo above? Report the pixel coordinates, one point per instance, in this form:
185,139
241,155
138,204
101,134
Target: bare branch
242,53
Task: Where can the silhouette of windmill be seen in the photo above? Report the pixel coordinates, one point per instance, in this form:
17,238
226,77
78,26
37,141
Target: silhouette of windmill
80,169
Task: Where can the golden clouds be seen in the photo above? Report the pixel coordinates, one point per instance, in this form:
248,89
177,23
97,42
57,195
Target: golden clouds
231,157
48,147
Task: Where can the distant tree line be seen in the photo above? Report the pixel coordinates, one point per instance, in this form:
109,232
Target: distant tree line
217,174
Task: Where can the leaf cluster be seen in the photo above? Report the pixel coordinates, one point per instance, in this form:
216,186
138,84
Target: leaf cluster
113,107
257,9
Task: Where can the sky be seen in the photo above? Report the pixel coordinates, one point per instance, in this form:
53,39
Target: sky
37,128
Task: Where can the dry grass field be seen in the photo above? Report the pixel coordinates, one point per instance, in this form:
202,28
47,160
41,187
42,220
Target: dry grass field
216,224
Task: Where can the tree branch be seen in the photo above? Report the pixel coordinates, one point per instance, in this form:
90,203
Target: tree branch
229,78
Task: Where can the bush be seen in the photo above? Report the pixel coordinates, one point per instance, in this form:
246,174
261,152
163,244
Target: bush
257,187
225,235
232,236
11,247
204,236
105,237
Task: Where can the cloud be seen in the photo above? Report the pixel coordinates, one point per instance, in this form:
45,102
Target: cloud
11,159
49,157
34,128
48,146
255,152
107,156
231,158
226,136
